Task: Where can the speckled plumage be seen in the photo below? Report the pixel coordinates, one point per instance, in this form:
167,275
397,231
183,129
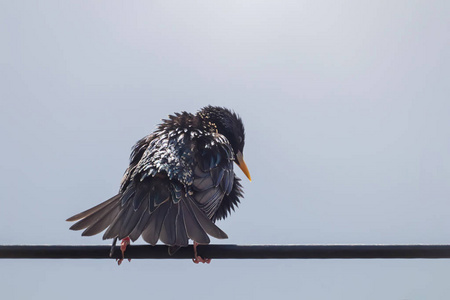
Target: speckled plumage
179,182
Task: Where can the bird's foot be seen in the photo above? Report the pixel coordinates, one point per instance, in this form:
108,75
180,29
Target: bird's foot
197,258
200,259
123,246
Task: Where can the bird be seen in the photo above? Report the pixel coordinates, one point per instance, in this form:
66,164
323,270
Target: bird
179,182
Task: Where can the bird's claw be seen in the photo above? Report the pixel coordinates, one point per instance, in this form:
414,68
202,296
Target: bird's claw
123,246
197,258
120,260
200,259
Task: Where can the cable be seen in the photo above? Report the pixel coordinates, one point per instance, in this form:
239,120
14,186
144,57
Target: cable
229,252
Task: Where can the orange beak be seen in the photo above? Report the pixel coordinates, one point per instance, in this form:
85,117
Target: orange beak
241,163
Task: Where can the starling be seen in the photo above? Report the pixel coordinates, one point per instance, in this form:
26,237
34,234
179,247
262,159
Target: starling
179,182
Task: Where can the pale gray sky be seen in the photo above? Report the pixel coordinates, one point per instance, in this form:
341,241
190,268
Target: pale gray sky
346,108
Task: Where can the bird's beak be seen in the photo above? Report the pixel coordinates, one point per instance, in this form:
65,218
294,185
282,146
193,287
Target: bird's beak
241,163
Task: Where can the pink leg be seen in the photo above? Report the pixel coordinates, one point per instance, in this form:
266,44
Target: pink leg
123,246
199,259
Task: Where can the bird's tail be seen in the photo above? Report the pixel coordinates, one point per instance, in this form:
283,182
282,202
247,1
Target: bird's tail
132,214
97,218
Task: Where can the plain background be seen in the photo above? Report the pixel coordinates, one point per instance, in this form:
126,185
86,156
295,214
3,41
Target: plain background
346,108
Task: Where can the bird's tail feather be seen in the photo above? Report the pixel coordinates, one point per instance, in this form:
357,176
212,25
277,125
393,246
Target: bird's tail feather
172,222
97,218
94,209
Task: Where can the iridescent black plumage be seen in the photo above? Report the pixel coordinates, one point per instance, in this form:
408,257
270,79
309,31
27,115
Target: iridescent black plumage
179,182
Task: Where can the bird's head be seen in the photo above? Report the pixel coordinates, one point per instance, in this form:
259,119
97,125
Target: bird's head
230,125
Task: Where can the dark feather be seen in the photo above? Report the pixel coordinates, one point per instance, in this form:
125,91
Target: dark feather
203,183
95,215
140,226
181,235
179,182
159,193
194,229
153,228
217,175
103,222
127,194
168,231
93,209
229,202
116,224
206,223
132,218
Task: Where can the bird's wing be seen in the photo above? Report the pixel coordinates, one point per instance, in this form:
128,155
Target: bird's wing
174,185
213,173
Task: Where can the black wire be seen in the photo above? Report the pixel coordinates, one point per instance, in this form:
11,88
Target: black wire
230,252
